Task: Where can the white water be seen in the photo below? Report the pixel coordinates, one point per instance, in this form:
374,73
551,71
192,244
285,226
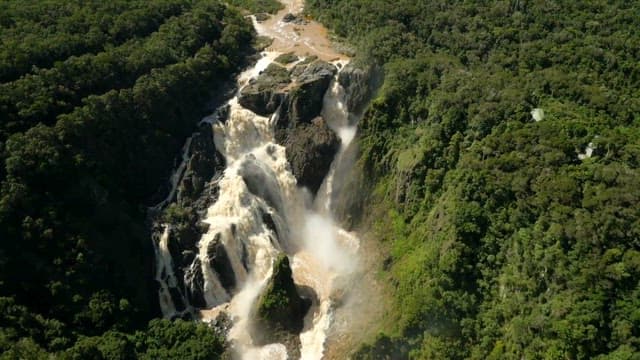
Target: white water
165,275
257,185
176,175
320,251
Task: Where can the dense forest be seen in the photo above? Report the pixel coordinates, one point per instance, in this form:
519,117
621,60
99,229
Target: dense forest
503,149
96,100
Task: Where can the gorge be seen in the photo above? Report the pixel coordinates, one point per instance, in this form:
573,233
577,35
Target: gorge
260,179
231,179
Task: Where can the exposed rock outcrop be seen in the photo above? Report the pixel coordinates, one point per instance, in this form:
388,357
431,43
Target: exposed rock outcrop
194,284
286,59
359,83
196,190
305,99
220,262
310,149
264,94
295,18
278,313
297,96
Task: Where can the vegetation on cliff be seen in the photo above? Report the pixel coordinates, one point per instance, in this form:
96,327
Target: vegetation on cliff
279,306
279,310
96,100
511,238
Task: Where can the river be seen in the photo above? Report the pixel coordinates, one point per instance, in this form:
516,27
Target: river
253,231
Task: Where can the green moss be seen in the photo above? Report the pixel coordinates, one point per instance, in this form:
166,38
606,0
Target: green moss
308,60
276,296
272,77
280,306
287,58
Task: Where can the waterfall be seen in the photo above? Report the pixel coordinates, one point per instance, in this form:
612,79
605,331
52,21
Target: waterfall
169,294
260,212
257,185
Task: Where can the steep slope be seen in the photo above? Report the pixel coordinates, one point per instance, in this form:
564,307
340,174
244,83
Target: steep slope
499,168
96,102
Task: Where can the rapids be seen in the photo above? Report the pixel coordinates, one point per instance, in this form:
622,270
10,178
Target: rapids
261,212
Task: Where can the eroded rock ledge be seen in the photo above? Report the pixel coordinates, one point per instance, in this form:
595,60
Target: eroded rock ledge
296,96
279,311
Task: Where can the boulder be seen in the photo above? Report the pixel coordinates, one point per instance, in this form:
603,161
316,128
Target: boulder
304,101
194,281
264,94
278,314
204,162
286,58
220,262
297,19
310,149
289,17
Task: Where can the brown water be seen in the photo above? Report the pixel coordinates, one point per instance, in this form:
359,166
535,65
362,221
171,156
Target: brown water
327,258
310,38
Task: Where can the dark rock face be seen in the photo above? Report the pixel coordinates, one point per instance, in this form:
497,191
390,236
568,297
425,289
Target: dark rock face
310,149
220,262
359,83
296,19
196,190
279,311
205,161
306,97
279,305
310,144
289,18
194,280
297,96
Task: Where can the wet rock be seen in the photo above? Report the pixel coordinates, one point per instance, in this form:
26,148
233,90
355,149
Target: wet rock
289,18
310,149
300,92
222,113
262,181
204,162
183,233
267,220
297,19
310,144
298,97
219,261
360,83
264,94
279,306
194,281
305,100
176,297
279,311
187,256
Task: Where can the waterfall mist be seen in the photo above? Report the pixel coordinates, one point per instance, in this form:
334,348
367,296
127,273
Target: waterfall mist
261,212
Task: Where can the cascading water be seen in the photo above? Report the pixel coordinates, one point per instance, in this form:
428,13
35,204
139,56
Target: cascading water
260,212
